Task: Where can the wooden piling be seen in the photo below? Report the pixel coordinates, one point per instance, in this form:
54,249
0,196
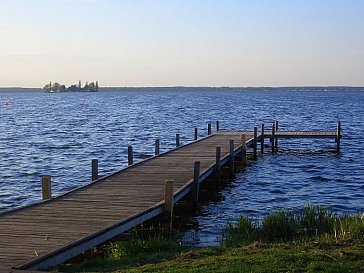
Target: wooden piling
157,147
195,136
262,139
218,164
272,137
130,155
217,126
255,142
94,169
243,150
338,136
168,202
46,187
276,138
195,185
209,129
231,155
177,140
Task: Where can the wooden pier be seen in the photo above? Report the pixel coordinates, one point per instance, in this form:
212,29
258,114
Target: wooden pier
50,232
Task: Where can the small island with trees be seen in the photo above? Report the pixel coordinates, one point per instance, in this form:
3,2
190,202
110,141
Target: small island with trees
57,87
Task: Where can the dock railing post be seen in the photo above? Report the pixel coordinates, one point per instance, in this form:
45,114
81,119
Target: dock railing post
168,202
157,147
262,139
177,140
130,155
218,164
217,126
255,142
94,169
209,129
231,155
338,136
276,138
243,150
195,135
195,185
46,187
272,137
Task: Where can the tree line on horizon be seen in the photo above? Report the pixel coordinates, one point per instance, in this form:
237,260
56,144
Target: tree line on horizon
57,87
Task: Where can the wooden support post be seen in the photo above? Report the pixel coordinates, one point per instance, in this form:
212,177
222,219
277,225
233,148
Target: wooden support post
177,140
94,169
209,129
276,138
262,139
130,155
46,187
243,150
168,202
338,136
195,185
195,136
255,142
217,126
272,137
157,147
231,155
218,164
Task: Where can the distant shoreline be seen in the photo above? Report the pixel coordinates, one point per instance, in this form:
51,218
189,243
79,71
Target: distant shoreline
201,88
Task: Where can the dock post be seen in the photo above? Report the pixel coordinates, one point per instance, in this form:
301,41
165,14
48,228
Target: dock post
218,164
262,139
157,147
243,150
232,163
276,138
195,136
168,202
255,142
130,155
272,137
217,126
46,187
338,136
209,129
195,185
177,140
94,169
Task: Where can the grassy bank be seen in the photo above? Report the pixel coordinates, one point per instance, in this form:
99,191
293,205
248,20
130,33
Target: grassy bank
314,240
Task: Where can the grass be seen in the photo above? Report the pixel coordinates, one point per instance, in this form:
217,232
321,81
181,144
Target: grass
313,240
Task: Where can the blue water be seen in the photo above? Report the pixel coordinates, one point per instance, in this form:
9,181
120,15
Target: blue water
59,135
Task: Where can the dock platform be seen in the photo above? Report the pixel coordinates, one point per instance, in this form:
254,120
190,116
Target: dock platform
50,232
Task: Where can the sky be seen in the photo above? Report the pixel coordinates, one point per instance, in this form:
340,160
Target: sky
182,42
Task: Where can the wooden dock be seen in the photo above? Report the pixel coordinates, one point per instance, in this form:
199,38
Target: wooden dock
50,232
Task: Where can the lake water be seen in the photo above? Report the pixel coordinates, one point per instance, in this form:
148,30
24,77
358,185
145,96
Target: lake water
59,135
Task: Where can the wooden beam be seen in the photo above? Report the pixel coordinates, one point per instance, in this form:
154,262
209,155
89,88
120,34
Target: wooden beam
209,129
338,136
217,126
177,140
262,139
231,156
46,187
243,150
168,202
157,147
130,155
255,142
195,135
195,185
94,169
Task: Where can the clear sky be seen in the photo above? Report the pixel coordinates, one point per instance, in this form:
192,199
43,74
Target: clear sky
182,42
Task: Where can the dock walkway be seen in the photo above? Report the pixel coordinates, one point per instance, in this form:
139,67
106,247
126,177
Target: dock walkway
53,231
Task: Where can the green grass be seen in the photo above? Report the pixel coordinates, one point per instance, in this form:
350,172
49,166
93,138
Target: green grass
313,240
